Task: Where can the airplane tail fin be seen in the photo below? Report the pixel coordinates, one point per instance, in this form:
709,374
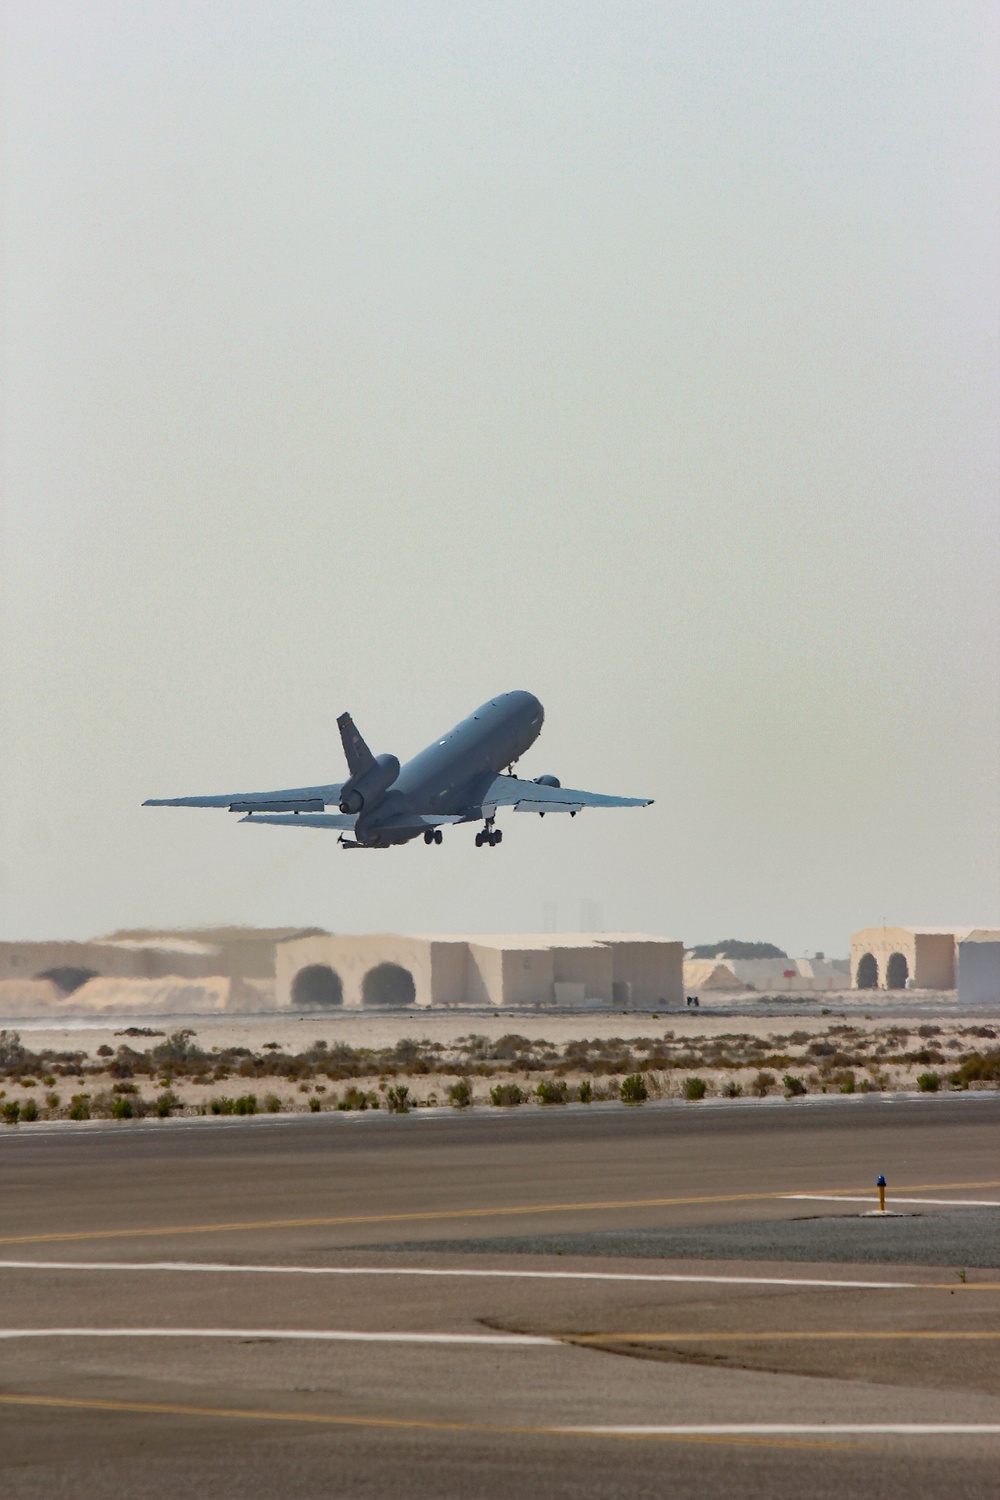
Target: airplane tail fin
357,754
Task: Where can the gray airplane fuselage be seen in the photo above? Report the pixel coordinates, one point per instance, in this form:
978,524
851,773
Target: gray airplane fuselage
455,772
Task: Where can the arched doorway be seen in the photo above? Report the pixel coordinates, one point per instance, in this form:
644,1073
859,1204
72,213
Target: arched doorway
867,975
317,987
388,984
897,972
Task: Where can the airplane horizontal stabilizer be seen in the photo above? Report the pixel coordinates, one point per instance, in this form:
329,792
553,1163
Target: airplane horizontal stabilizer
305,798
303,820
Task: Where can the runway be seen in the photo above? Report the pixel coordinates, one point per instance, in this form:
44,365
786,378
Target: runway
277,1312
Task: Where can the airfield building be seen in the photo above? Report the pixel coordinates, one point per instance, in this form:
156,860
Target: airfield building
979,967
393,969
900,958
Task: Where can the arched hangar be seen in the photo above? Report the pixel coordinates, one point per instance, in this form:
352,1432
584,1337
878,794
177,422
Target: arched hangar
902,958
394,970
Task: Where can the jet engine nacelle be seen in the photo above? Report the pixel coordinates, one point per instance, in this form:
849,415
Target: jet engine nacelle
368,786
547,781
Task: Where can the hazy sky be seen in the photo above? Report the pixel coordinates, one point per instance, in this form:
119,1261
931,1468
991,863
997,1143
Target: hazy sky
386,357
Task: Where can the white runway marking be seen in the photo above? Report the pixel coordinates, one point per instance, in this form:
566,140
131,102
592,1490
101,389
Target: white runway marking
891,1198
805,1429
642,1276
323,1335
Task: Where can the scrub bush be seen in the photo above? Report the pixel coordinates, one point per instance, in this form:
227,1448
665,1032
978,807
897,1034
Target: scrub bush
11,1112
695,1088
551,1092
585,1093
272,1104
169,1101
460,1094
246,1104
122,1108
732,1091
762,1083
29,1110
506,1095
397,1100
79,1107
928,1083
633,1089
980,1067
793,1086
315,1104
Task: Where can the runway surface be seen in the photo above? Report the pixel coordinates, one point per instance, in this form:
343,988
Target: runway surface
581,1303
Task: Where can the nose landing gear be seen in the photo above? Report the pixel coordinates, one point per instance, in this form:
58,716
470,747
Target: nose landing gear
433,836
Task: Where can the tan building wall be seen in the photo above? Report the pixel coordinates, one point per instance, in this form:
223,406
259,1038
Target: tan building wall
653,970
480,970
528,975
352,960
240,952
929,954
485,975
593,967
109,959
450,962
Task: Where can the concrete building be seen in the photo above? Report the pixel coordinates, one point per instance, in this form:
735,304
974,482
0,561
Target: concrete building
72,964
792,975
769,976
395,969
979,967
236,952
230,952
899,958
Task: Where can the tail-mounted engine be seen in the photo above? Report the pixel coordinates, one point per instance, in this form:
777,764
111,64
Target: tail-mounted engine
367,787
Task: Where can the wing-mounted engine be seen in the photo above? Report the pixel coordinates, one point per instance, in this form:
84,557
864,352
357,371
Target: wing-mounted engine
547,781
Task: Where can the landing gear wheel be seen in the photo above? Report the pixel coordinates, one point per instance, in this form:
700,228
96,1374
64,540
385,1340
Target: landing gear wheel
429,835
438,836
480,838
497,835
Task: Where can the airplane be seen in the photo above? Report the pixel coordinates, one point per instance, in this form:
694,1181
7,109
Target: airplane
464,777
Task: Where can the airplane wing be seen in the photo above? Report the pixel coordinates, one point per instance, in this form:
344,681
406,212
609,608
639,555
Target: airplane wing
533,796
300,798
348,820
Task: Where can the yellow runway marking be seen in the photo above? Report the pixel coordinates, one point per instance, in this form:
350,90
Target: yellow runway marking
323,1419
441,1214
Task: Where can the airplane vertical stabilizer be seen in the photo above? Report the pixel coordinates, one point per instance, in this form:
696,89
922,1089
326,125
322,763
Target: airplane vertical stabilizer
359,757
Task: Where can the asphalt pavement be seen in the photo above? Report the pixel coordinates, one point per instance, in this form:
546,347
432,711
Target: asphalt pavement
579,1303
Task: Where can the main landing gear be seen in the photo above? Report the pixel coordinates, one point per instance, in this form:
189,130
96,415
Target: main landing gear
488,835
433,836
